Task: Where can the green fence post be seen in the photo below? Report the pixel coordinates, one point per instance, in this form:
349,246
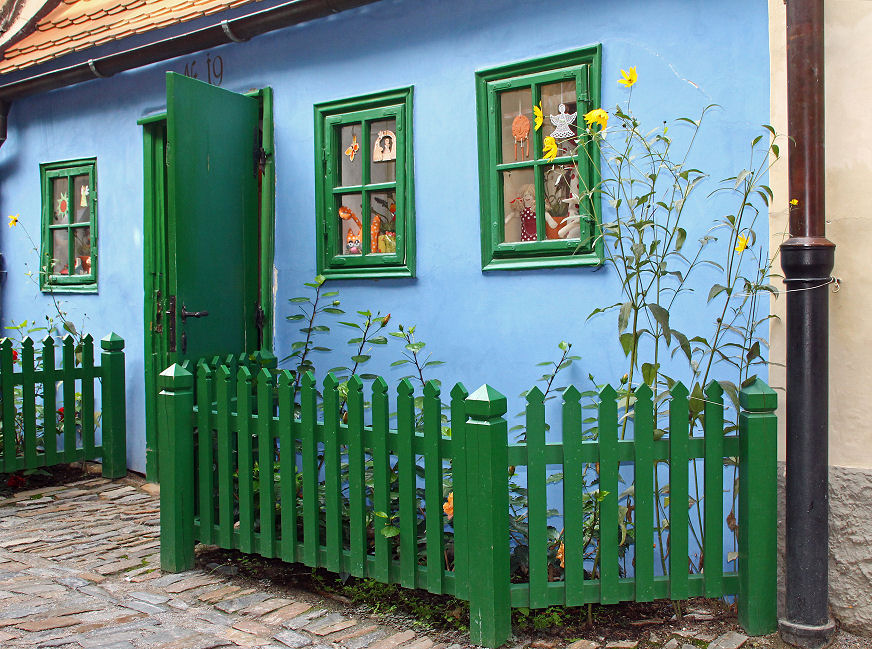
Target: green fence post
114,418
487,506
176,458
757,509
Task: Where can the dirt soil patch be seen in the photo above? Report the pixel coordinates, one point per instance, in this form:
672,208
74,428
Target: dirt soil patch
13,483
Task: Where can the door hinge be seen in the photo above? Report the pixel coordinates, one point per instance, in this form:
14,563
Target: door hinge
259,323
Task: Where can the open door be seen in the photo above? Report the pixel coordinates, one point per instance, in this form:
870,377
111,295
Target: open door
204,220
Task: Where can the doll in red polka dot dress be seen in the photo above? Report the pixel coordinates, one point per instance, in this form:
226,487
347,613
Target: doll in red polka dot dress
525,204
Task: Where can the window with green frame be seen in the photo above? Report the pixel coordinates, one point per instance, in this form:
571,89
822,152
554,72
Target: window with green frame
529,218
69,226
364,186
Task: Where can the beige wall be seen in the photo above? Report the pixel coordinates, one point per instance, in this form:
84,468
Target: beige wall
849,219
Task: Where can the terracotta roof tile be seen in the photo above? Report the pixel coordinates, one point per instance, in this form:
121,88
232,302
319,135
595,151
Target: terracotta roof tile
75,25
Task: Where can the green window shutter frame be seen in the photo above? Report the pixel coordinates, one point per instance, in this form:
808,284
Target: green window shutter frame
583,66
329,118
48,282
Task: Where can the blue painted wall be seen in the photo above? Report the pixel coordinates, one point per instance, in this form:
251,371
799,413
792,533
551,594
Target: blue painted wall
489,327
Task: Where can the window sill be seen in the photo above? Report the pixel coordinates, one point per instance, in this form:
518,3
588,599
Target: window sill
69,288
367,273
533,263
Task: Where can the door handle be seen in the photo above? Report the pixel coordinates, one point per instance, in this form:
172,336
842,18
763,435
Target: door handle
192,314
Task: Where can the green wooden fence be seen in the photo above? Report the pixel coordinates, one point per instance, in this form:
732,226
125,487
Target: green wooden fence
48,414
339,482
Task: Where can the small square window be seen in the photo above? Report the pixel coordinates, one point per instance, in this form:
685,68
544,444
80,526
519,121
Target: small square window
529,218
364,194
69,226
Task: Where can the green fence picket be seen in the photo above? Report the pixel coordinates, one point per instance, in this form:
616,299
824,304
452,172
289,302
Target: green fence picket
643,443
308,411
205,460
28,404
608,488
266,457
7,374
573,499
714,491
435,535
381,490
114,398
245,459
408,502
49,401
537,502
356,487
88,427
287,468
459,487
678,492
69,382
224,382
332,476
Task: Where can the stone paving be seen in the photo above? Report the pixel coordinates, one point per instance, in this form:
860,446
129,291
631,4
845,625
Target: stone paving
79,569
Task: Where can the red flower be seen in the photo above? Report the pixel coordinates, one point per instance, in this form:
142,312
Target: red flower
61,413
14,356
15,481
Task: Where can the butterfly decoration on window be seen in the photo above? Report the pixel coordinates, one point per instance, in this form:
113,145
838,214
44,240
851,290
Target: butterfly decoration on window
352,150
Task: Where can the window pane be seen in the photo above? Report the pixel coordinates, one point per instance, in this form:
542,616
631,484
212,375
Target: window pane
81,199
516,111
350,155
60,253
561,202
519,198
60,205
383,144
350,240
383,222
82,243
559,107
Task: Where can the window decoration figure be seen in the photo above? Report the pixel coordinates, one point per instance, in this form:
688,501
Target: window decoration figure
524,207
63,206
353,148
521,133
353,240
561,122
385,148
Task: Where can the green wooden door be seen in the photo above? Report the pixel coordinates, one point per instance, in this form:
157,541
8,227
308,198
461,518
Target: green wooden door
212,202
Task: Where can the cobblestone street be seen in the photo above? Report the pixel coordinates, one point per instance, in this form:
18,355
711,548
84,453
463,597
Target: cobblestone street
79,569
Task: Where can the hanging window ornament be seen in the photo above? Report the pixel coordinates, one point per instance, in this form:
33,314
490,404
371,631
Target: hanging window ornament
521,133
63,205
352,150
385,148
561,122
83,196
352,239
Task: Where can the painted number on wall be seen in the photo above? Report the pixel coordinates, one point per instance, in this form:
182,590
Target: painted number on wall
213,71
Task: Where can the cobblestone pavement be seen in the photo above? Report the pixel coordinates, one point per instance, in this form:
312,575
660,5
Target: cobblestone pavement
79,570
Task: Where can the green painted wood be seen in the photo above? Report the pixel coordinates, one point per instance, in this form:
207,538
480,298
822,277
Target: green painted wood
266,457
609,491
87,392
49,399
678,492
205,457
245,456
332,476
114,398
175,404
488,501
758,509
28,404
643,517
537,501
435,536
288,468
460,490
381,495
713,554
573,499
408,502
7,371
267,216
308,413
356,486
69,387
226,465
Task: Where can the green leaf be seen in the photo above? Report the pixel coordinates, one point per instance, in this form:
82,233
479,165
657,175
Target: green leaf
297,316
351,324
379,340
624,316
716,290
649,372
402,361
360,358
661,315
333,309
415,347
627,343
680,238
299,299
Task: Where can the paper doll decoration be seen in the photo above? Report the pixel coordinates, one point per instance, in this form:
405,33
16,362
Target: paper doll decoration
521,133
83,196
353,148
561,122
353,240
526,206
385,148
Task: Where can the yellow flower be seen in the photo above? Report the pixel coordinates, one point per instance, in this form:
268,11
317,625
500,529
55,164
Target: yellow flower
549,148
561,553
596,116
13,220
448,507
629,78
537,116
794,202
742,242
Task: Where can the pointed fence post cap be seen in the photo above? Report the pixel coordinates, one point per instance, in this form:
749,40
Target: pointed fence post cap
175,377
112,343
265,358
486,403
758,397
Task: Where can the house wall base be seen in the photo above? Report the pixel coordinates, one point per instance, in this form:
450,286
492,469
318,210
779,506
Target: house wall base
850,562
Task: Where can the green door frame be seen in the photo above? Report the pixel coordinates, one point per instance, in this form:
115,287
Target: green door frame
156,354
